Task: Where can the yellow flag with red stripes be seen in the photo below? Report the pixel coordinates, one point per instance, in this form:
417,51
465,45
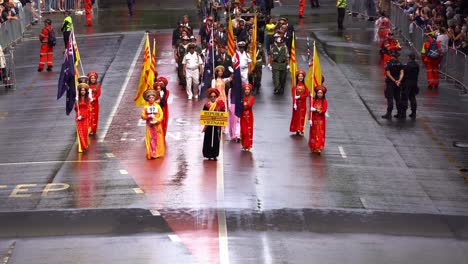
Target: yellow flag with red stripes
253,46
314,75
145,69
293,66
231,45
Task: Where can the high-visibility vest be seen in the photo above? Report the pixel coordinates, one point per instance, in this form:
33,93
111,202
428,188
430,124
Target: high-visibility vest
341,3
70,23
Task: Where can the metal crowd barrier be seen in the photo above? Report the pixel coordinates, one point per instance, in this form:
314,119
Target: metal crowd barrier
7,74
364,8
454,64
12,30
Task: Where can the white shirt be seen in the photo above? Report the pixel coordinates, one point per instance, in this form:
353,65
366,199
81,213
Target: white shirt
444,40
192,61
244,60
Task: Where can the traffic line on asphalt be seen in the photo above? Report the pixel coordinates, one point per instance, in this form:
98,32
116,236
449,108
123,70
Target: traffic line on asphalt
50,162
124,136
6,257
110,155
155,212
222,226
122,91
174,238
123,172
138,190
3,186
342,152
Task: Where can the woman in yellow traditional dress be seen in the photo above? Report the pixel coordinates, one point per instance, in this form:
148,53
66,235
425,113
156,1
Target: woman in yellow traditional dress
153,114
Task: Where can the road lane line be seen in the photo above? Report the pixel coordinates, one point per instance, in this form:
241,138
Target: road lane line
222,226
122,91
155,212
138,190
174,238
50,161
110,155
342,152
9,253
123,172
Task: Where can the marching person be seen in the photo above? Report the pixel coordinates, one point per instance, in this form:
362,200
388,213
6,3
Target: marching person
192,69
219,83
395,75
223,59
244,61
300,95
212,137
153,115
179,57
233,120
66,28
278,59
317,120
255,77
164,93
88,5
47,49
341,6
82,109
95,93
431,54
410,84
247,118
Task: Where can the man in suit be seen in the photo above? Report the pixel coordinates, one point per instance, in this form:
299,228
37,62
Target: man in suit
222,58
221,36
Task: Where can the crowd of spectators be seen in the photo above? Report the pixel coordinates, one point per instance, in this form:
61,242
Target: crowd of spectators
448,20
8,10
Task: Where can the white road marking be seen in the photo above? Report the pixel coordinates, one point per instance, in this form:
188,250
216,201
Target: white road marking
124,136
138,190
174,238
326,114
3,186
123,172
363,201
222,227
155,212
50,162
304,58
342,152
110,155
122,91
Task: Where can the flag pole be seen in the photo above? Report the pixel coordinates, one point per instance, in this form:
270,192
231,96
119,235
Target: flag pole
212,52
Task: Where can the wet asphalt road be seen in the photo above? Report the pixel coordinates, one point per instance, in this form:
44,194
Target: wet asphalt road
382,191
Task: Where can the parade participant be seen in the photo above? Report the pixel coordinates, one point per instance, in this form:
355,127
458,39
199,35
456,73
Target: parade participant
317,120
389,44
164,94
278,58
153,114
47,46
192,69
395,75
130,4
82,109
233,120
383,27
212,135
247,118
185,22
341,6
410,84
198,49
205,32
255,77
95,93
67,27
222,58
219,83
179,57
244,60
301,8
177,36
88,5
300,95
240,31
431,54
221,36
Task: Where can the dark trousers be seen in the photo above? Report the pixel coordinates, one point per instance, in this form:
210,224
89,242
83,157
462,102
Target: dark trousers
341,14
410,93
392,92
66,37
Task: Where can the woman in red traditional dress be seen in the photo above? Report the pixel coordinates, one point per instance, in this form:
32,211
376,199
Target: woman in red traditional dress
212,137
317,120
82,109
164,94
153,114
247,118
300,95
95,93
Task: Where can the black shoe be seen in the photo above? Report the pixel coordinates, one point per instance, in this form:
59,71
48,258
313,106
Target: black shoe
412,115
276,92
397,116
49,69
387,116
39,69
429,87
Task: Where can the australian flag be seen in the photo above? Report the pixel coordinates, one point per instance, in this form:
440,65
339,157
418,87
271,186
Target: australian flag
208,69
67,78
237,86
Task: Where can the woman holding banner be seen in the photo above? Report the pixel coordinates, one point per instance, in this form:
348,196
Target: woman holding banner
212,136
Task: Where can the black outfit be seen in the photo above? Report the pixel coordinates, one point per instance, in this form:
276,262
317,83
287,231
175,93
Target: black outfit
410,88
221,38
211,139
392,91
341,14
269,4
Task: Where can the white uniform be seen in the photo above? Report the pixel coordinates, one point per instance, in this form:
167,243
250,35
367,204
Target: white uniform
192,73
244,61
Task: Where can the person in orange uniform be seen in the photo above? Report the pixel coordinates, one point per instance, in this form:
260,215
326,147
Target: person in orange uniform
301,8
317,120
383,27
431,54
153,114
300,95
95,93
164,93
247,118
88,5
47,50
389,44
82,109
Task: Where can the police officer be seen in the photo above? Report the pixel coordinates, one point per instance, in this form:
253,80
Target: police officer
278,63
255,78
410,85
395,75
67,27
180,53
